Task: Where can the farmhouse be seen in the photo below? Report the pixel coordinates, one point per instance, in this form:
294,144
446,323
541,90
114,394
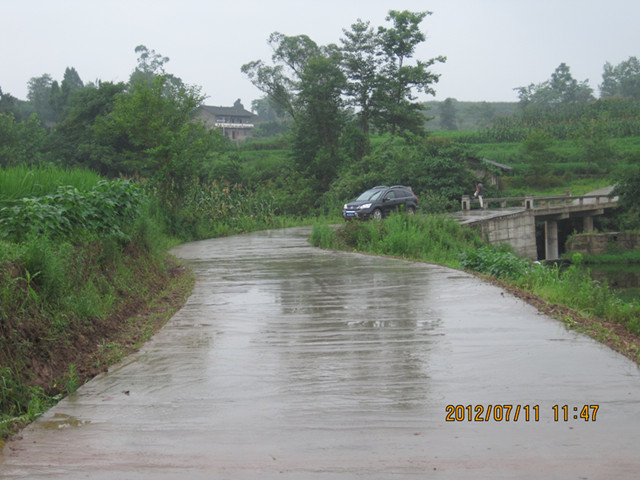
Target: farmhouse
236,123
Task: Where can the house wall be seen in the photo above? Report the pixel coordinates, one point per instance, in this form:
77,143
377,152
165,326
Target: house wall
234,128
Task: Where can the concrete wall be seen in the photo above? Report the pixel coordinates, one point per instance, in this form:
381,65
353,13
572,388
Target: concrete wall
596,243
517,230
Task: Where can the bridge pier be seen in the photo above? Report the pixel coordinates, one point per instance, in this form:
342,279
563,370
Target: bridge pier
587,224
551,240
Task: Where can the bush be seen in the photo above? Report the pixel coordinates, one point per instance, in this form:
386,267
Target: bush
494,262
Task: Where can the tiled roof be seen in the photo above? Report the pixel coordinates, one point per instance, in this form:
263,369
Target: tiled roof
227,111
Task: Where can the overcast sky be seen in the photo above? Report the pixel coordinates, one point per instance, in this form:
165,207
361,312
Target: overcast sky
492,46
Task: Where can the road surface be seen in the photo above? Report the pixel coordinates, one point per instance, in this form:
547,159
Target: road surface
290,362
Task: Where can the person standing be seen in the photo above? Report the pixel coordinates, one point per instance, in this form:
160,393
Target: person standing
479,194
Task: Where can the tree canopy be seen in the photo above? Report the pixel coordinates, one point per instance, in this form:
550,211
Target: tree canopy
380,82
561,88
622,80
368,79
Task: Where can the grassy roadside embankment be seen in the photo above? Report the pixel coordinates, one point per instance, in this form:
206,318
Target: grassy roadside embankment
569,295
84,280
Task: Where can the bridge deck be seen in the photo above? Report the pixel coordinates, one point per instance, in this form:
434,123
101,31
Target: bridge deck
467,217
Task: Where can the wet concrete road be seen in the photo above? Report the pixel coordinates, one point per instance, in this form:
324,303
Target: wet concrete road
290,362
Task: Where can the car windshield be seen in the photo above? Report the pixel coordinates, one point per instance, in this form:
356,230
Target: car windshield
369,195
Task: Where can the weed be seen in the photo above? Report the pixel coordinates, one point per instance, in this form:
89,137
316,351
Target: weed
110,353
71,382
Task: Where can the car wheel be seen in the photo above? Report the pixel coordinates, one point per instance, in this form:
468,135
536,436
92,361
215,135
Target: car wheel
411,211
377,214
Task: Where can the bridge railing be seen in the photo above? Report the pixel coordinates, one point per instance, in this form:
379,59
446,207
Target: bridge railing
529,201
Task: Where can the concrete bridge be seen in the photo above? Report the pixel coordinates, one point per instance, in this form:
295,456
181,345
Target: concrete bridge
512,220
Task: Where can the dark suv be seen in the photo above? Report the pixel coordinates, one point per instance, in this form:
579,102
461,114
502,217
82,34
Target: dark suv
379,201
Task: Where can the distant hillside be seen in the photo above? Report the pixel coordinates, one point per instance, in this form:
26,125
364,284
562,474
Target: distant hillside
468,115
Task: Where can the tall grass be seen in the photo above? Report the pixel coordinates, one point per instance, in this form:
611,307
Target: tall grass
24,181
215,209
432,238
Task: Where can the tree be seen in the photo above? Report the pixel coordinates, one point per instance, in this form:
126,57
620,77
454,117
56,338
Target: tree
150,64
39,94
481,113
561,88
306,82
448,115
61,98
75,141
395,108
320,121
623,80
281,82
144,122
628,191
266,109
594,142
360,63
380,81
238,104
536,150
20,142
10,105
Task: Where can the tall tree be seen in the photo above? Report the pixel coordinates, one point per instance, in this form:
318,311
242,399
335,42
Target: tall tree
623,80
561,88
306,82
75,140
149,65
320,120
394,101
281,82
62,99
448,115
536,150
266,109
39,94
360,61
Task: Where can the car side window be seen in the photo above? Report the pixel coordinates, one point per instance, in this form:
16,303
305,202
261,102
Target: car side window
389,195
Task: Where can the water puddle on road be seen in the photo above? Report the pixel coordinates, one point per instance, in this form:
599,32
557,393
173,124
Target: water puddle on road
62,420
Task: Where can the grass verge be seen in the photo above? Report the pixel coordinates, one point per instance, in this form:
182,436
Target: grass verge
52,347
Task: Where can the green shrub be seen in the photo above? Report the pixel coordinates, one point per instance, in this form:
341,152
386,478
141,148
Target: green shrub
494,262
